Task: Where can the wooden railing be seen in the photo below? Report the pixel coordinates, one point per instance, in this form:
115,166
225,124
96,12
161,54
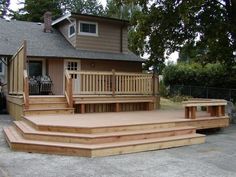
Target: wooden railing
113,83
26,90
68,89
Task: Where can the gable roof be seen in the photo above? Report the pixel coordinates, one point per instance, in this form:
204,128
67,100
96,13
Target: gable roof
91,17
40,44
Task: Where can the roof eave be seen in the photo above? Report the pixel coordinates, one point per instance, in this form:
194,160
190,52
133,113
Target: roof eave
62,18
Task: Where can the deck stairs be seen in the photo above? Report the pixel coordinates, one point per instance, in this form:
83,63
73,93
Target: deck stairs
48,104
29,136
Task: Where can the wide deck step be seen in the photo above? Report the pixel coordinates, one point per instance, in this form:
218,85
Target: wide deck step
30,133
76,128
43,111
17,142
46,105
46,98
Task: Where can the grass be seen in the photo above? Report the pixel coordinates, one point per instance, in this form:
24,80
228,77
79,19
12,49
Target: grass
167,104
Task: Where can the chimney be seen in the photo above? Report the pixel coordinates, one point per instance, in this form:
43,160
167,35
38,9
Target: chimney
47,17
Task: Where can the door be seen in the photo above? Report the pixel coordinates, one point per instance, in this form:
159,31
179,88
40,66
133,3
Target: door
74,65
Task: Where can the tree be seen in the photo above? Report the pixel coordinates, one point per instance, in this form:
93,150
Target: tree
118,10
92,7
34,10
4,4
165,26
115,9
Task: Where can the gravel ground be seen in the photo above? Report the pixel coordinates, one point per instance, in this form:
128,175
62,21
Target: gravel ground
215,158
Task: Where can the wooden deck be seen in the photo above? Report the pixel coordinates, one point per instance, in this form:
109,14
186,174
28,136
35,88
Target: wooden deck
103,134
100,120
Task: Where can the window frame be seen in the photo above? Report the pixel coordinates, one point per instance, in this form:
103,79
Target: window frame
87,33
71,35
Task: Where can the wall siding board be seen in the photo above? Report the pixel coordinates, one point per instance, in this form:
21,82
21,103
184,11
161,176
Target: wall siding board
63,28
104,65
56,72
108,39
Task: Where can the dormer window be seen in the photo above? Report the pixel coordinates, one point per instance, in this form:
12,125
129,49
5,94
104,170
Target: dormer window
71,30
88,28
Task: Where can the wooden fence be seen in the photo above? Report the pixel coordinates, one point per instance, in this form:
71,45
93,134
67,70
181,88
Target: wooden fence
114,83
16,67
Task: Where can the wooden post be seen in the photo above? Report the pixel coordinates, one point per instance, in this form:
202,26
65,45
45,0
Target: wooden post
213,111
70,93
155,90
222,110
113,83
26,89
25,54
82,108
193,112
117,107
186,112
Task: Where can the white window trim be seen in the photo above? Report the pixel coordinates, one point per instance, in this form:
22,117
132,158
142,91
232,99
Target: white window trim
88,34
3,69
71,35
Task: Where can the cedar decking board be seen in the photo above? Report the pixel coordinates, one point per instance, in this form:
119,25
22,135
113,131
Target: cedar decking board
103,134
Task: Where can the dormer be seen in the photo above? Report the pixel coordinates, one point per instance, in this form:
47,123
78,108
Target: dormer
94,33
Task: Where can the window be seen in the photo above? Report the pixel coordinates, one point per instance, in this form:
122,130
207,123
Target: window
73,66
71,30
88,28
35,68
1,68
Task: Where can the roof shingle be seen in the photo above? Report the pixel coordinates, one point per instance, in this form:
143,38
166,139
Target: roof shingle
40,44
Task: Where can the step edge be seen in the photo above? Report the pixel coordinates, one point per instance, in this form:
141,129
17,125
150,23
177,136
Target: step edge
94,136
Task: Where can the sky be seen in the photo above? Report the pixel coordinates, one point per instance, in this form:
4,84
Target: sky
14,5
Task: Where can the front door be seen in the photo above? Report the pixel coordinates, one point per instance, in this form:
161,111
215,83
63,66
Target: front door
74,65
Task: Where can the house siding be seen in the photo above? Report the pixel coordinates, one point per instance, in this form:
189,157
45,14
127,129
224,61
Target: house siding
108,39
104,65
63,28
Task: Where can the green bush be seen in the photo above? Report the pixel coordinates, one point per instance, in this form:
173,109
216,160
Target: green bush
163,90
211,75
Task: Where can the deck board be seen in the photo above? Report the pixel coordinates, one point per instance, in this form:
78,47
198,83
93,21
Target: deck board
100,120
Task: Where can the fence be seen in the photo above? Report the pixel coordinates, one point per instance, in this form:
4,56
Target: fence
204,92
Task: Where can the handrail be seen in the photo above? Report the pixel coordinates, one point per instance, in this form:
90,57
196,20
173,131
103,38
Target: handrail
68,89
111,83
26,90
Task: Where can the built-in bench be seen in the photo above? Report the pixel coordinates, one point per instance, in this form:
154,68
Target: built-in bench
116,101
215,107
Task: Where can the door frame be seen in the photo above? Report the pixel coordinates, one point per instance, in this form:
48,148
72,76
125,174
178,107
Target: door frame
65,66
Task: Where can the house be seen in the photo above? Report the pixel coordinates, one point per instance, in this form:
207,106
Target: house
89,69
91,50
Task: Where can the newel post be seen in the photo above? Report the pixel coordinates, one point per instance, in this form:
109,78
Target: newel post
113,82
